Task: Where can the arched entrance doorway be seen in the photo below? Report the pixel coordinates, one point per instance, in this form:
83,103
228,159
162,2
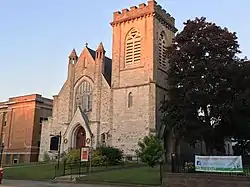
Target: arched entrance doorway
80,137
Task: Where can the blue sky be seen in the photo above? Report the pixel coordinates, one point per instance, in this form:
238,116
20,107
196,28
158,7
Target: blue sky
36,37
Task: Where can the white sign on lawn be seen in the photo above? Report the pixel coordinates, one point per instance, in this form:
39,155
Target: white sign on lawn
230,164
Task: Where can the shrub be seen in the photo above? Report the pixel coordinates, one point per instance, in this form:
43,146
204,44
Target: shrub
189,167
106,155
98,159
111,155
73,156
46,157
63,156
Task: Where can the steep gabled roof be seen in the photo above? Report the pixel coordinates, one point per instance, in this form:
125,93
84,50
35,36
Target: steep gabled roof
107,66
73,53
92,52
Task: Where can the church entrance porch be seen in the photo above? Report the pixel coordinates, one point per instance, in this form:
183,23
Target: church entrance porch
80,137
78,132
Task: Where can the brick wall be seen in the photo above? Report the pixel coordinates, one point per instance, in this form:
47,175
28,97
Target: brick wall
21,131
204,180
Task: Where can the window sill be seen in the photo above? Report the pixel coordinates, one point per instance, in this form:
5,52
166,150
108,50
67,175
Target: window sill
131,67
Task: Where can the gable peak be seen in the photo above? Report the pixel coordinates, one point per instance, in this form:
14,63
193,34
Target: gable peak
100,47
73,53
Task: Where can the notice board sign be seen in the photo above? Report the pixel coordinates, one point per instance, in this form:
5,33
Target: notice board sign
224,164
84,154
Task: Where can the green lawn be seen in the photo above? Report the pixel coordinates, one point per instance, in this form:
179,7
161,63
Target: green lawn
28,164
30,172
129,173
75,169
142,175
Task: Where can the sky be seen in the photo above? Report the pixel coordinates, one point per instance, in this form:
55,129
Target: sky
36,37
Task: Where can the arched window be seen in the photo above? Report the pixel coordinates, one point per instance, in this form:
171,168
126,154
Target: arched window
84,96
103,139
133,47
162,50
130,100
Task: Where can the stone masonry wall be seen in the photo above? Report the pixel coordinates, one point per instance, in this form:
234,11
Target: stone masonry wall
61,104
204,180
160,72
130,124
105,119
49,128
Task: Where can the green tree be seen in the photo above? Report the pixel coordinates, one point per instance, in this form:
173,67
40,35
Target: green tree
238,115
202,65
150,151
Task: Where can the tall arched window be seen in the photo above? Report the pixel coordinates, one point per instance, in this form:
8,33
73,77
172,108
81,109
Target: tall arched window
133,47
84,96
130,100
162,49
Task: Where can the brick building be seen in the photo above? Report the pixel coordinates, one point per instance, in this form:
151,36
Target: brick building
20,119
115,102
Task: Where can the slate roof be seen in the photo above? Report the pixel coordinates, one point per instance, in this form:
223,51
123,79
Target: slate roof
107,66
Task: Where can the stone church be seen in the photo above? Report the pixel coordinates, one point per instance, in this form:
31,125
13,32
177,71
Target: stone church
115,101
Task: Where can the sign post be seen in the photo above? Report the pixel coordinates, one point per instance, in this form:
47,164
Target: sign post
84,157
84,154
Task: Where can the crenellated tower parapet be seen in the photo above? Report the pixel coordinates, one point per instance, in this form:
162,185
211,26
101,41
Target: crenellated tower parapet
143,11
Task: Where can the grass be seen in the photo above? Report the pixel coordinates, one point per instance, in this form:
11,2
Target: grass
28,164
132,173
43,171
142,175
75,169
30,172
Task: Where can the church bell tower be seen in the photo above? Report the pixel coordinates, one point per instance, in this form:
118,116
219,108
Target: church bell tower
139,65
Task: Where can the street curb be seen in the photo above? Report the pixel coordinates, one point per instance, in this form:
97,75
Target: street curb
116,184
105,183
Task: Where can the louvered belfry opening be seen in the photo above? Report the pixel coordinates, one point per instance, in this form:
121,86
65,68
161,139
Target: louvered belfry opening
162,50
133,47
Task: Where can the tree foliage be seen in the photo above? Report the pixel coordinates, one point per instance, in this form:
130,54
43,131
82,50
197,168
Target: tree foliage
205,84
150,150
239,114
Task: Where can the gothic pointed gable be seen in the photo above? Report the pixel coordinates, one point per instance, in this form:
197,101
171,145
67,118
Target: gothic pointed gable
73,53
87,52
79,118
101,47
107,63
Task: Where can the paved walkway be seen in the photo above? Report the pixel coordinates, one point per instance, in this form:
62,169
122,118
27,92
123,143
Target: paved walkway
18,183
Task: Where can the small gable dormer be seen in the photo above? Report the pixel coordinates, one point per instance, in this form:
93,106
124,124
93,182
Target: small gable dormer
73,57
100,52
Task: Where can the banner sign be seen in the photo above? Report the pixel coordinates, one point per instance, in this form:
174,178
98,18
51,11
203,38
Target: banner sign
226,164
84,154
